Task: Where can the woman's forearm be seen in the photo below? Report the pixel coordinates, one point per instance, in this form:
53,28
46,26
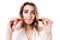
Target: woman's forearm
8,36
49,36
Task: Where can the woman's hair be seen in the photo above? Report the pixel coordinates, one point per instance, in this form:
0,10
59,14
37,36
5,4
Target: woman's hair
35,23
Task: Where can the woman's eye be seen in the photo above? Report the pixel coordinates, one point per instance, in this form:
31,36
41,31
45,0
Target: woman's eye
33,12
25,12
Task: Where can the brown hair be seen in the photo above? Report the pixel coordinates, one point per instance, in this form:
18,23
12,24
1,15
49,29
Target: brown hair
35,23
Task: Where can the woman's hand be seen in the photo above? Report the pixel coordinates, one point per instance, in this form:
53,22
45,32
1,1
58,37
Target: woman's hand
11,25
10,29
47,23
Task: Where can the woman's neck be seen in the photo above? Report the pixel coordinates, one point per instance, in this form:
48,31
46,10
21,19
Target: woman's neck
28,28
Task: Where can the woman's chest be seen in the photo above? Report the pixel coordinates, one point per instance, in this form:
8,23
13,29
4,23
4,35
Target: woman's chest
22,36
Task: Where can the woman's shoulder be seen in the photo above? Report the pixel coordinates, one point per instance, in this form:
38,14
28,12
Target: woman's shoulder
42,34
18,29
17,32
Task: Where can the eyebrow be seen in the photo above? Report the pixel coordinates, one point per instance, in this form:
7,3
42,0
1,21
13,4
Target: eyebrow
28,10
25,10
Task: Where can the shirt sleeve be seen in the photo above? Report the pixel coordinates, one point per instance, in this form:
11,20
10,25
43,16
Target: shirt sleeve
14,35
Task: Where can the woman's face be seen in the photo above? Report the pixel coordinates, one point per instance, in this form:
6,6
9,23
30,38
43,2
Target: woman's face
28,14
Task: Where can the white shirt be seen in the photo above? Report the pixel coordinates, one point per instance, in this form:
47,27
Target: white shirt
20,35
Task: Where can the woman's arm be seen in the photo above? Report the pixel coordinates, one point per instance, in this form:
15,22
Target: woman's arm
9,36
47,23
9,33
10,29
49,36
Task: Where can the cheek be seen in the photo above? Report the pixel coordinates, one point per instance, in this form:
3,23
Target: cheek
24,15
33,16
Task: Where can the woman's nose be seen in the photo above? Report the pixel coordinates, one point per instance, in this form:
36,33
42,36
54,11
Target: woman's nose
29,15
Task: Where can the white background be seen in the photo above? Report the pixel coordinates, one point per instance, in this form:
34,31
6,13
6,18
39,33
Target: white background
46,8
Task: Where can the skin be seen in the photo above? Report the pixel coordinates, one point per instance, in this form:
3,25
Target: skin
28,15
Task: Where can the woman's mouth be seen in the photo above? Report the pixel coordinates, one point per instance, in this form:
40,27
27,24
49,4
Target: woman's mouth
29,19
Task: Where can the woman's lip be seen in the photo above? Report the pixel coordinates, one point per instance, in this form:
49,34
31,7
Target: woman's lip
29,19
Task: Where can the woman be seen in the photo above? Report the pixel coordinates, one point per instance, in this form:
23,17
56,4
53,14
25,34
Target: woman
29,29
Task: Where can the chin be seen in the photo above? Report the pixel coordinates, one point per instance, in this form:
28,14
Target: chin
28,23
